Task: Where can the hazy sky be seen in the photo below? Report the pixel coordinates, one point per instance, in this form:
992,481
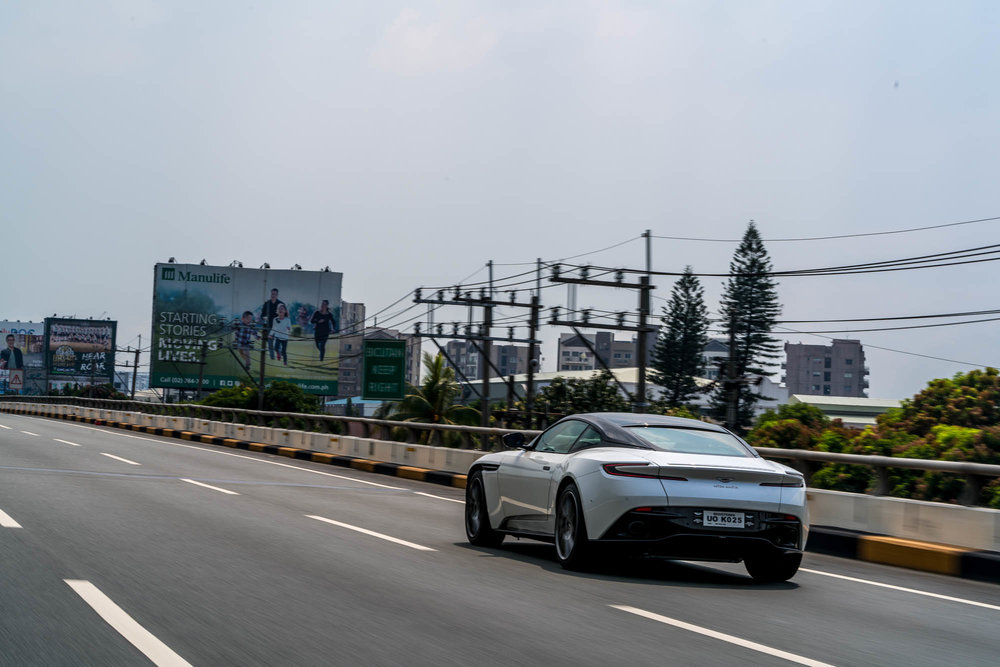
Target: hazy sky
406,144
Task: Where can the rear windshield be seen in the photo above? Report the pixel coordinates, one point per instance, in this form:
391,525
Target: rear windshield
690,441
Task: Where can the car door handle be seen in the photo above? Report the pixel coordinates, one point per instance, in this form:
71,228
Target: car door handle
546,467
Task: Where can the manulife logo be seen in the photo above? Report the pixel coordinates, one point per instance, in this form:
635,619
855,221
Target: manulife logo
170,273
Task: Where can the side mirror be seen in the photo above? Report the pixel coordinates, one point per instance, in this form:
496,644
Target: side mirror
514,440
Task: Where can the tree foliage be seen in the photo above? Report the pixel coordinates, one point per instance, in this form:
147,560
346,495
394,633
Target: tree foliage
749,311
956,419
279,396
434,401
677,356
598,393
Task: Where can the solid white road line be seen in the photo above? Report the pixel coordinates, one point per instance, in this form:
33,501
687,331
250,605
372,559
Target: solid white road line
388,538
753,646
7,522
158,652
118,458
207,449
6,427
208,486
900,588
29,433
66,442
431,495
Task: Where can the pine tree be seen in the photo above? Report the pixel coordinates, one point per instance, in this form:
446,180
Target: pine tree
677,356
749,311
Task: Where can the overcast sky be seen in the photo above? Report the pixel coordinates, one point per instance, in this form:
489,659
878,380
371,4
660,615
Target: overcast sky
406,144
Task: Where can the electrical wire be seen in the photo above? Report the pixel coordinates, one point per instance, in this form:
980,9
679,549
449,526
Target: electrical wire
890,349
839,236
915,326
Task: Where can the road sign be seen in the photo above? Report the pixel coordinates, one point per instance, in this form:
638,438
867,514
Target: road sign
384,372
16,382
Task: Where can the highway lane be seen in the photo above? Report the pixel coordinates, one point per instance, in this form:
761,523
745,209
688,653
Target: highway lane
252,579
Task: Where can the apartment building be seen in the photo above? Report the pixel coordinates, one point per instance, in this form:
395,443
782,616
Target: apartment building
837,369
509,359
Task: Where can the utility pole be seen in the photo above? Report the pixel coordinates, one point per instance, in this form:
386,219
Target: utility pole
643,329
529,399
201,369
487,348
135,366
483,340
263,360
643,341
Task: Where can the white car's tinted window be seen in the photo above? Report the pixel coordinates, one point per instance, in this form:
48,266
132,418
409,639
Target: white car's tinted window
690,441
560,437
589,438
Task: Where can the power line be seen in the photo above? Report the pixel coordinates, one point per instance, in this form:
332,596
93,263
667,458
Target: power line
890,349
915,326
839,236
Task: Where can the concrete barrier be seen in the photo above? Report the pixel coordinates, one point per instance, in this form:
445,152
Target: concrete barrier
971,527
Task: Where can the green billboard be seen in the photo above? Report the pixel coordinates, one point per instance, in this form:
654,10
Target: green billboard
384,371
221,324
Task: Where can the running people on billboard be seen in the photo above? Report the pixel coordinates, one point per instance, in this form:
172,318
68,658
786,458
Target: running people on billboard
324,324
11,357
303,317
267,314
281,329
246,334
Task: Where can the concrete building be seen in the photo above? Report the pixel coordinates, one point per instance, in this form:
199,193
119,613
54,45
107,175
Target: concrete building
826,370
353,333
509,359
574,355
713,355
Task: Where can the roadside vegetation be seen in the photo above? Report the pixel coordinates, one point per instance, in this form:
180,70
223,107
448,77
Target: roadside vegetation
956,419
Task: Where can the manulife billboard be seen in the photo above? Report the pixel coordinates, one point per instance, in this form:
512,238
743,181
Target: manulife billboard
227,316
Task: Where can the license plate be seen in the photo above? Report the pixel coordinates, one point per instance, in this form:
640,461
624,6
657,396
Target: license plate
716,519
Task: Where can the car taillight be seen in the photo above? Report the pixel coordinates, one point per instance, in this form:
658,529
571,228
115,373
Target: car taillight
793,483
637,470
630,470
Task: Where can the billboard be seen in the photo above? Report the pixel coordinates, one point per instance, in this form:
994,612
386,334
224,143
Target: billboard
384,372
224,314
22,346
80,348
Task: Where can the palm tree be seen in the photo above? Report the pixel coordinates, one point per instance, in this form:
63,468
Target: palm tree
433,402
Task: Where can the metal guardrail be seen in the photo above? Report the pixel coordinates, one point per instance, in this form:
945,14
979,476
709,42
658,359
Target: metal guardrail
462,437
807,462
475,437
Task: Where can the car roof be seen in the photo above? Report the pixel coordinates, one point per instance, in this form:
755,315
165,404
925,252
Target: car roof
615,424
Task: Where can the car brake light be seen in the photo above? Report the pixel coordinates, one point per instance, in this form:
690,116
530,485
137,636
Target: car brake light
643,509
636,470
616,469
795,483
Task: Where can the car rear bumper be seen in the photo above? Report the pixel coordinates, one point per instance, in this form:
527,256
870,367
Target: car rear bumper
674,532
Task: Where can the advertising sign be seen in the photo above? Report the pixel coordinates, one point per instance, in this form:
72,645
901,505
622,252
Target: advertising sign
222,315
22,346
82,348
384,372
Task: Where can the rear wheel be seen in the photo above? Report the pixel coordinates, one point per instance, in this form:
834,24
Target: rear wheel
477,518
773,567
573,549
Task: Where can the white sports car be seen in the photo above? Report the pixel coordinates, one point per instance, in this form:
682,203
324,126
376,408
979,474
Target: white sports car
652,485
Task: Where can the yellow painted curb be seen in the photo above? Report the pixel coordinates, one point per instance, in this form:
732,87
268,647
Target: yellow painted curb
925,556
409,472
363,464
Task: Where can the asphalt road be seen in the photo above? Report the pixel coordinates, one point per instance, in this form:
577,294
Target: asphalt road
130,549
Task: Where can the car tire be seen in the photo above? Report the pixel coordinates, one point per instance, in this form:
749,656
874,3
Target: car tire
573,548
477,517
773,567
